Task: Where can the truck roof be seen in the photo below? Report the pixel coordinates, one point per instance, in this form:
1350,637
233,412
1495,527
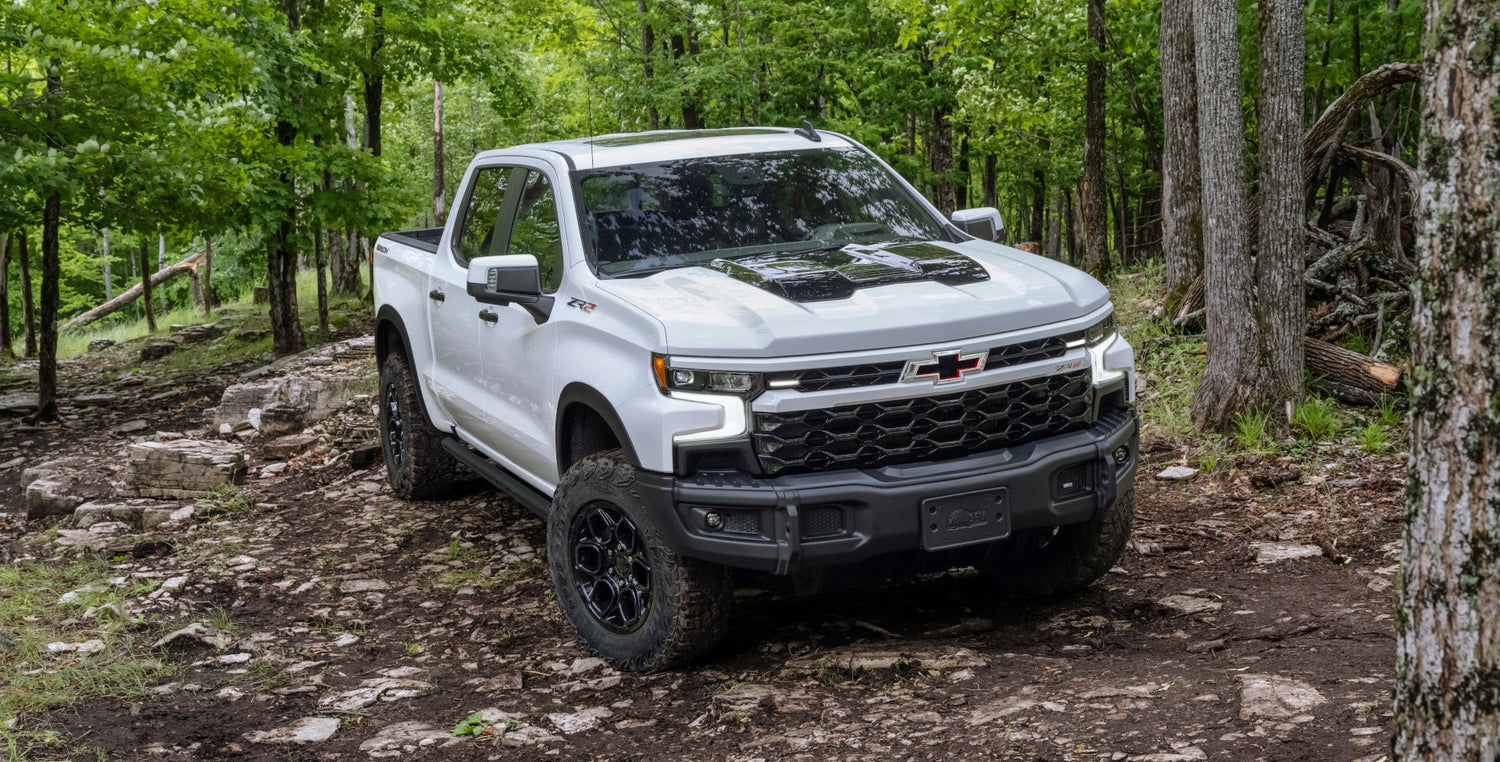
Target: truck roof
626,148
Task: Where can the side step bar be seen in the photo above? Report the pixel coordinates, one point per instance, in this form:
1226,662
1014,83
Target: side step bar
524,493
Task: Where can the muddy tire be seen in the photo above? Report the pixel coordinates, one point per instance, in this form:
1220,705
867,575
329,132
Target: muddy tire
1041,563
415,462
632,600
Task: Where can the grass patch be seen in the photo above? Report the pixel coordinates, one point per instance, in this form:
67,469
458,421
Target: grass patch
1317,418
223,500
1373,437
1253,433
37,680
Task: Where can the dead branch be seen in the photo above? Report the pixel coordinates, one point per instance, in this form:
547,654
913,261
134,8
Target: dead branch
189,265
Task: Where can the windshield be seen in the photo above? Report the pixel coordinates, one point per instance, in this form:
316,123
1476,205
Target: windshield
648,217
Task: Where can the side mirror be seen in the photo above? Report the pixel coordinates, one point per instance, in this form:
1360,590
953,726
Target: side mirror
983,223
510,278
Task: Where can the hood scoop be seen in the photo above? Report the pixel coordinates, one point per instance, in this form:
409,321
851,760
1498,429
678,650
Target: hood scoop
815,276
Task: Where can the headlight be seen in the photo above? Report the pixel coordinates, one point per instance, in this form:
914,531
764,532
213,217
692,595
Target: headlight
669,378
1100,332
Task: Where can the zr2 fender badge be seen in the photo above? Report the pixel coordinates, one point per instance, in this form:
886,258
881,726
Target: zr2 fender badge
1067,366
581,304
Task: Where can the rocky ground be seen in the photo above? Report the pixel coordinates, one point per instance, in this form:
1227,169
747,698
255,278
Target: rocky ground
310,615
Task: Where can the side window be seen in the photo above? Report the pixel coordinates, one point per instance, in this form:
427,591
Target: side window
536,230
482,234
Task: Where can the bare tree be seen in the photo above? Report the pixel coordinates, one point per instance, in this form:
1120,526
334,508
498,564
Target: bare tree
146,298
1091,187
7,351
1182,186
439,208
1447,693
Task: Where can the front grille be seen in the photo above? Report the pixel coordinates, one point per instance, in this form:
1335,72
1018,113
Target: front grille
939,427
874,374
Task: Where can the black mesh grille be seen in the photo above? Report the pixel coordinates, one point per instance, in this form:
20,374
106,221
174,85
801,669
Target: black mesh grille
923,428
822,519
874,374
742,522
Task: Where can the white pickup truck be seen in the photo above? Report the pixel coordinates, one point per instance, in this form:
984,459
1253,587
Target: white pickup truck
754,356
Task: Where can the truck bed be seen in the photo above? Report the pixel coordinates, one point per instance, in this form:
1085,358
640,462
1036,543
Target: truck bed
425,239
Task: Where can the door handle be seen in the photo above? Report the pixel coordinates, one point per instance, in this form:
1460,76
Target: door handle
436,296
488,317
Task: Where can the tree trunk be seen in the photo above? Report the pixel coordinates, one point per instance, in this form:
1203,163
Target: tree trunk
1052,244
1336,368
146,298
46,406
1230,374
1447,665
1038,205
941,162
7,350
648,65
109,286
320,263
1182,192
193,264
439,208
28,305
374,77
1279,252
208,277
281,259
1096,259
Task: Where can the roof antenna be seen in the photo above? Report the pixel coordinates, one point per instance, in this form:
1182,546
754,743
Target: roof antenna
807,131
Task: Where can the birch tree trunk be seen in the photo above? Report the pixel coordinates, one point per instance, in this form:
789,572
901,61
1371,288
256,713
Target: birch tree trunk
1182,187
1232,334
1448,615
439,208
1091,188
28,305
7,350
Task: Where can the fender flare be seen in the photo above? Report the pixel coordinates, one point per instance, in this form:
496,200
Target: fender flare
579,393
387,315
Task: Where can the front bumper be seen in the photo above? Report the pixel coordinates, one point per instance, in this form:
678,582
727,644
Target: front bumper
785,524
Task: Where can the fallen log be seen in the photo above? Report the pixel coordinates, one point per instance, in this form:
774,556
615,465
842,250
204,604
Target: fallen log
189,265
1349,376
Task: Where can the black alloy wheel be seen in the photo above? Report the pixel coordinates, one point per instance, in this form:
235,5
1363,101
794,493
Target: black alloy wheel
611,567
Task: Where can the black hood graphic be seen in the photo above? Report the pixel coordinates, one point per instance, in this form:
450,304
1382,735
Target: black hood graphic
827,274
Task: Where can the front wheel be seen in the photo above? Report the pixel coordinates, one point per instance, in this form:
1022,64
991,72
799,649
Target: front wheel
639,605
1041,563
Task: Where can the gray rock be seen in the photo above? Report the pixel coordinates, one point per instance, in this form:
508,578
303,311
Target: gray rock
89,514
18,403
95,400
305,730
288,403
285,447
1275,698
129,427
1177,473
101,344
404,738
182,468
1272,552
1189,604
7,641
157,350
196,633
45,497
581,720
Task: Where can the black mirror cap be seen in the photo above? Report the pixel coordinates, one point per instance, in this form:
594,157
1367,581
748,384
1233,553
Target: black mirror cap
981,229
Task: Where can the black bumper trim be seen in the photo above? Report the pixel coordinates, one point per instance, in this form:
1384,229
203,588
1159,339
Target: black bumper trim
880,506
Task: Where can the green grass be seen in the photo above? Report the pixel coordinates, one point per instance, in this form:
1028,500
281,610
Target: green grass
35,680
223,500
1253,433
1373,437
1317,418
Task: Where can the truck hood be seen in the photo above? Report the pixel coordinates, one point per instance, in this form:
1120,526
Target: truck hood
858,298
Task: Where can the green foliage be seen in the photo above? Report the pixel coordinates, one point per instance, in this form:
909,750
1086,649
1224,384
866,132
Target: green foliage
223,500
473,725
1316,417
1253,433
1373,437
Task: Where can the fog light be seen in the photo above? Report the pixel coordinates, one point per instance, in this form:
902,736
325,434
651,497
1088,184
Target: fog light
1122,454
713,520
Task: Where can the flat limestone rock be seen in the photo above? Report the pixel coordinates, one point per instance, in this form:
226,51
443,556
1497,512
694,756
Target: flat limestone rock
181,468
285,447
305,730
1272,552
1273,697
1177,473
1190,604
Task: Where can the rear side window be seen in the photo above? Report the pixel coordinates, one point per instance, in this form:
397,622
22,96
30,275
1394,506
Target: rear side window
536,231
484,233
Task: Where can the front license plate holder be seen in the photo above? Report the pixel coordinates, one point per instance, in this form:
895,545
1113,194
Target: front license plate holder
970,518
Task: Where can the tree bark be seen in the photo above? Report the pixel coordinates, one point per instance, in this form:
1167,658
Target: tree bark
374,77
28,305
320,262
208,277
109,286
281,259
46,406
1280,248
7,350
944,196
146,298
1182,191
439,208
1228,382
1448,615
648,65
1335,368
1096,259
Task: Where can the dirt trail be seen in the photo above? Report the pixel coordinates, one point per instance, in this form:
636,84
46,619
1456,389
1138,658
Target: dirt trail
398,620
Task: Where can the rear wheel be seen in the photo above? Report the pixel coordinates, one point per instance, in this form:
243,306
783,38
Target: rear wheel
415,462
635,602
1041,563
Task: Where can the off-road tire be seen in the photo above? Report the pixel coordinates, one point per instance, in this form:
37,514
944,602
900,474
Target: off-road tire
415,462
1042,563
689,600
